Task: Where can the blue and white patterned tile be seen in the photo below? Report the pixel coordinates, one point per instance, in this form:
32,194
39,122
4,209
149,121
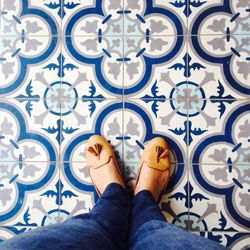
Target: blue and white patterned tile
67,68
166,78
220,17
29,67
219,139
109,17
94,63
222,201
126,54
169,13
153,18
106,119
174,202
94,18
80,77
146,119
231,240
24,18
8,232
25,134
151,68
77,193
24,198
221,61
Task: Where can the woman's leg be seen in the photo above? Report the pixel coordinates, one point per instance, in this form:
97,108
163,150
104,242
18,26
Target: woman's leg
149,228
105,227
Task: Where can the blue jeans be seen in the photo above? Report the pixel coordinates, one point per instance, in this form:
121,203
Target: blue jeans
115,222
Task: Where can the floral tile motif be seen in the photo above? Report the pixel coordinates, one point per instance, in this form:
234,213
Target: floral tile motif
128,70
180,10
124,38
79,80
24,201
232,240
224,196
221,59
27,18
219,139
139,17
105,58
77,194
24,133
106,120
219,17
22,73
175,207
166,77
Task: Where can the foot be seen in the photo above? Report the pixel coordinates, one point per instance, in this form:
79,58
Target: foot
154,171
103,168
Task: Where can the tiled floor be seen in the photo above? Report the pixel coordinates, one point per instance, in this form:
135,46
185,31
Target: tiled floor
129,70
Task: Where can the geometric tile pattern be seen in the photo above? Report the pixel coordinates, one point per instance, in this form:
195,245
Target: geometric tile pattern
129,70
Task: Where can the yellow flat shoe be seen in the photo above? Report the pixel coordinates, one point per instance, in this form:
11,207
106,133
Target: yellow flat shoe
99,154
156,155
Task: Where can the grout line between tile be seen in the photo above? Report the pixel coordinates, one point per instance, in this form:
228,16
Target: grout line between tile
128,98
61,35
187,128
60,148
123,91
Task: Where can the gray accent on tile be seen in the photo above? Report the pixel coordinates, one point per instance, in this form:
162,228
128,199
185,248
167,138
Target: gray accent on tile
114,4
244,130
5,195
30,152
32,44
132,69
6,127
132,128
165,120
244,69
218,43
114,69
133,4
220,174
218,25
219,155
7,69
90,27
114,128
211,208
157,44
245,201
90,44
211,121
30,171
9,5
242,3
157,26
32,27
85,171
